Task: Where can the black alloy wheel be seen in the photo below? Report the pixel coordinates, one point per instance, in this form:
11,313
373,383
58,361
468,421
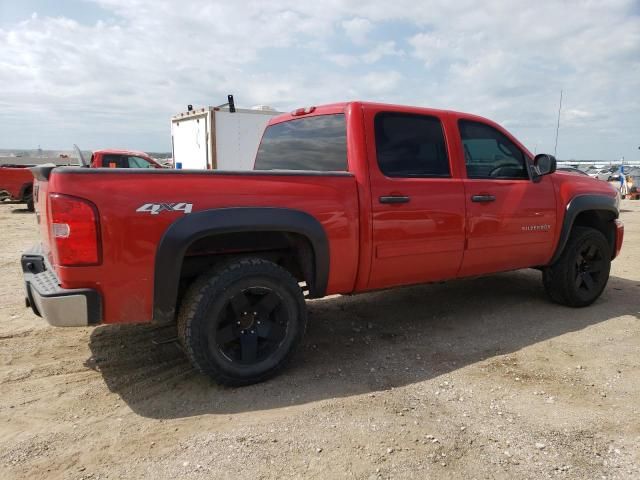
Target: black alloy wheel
253,326
588,267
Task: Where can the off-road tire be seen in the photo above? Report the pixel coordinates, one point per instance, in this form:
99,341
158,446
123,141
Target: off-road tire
209,303
565,280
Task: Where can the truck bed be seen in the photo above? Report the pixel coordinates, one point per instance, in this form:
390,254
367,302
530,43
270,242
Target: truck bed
130,231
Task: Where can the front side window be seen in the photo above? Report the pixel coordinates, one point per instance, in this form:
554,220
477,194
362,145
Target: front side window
139,162
409,145
488,153
316,143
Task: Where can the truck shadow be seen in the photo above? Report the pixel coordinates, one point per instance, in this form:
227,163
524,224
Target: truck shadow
358,344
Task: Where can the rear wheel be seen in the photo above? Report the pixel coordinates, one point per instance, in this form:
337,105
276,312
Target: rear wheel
240,324
579,276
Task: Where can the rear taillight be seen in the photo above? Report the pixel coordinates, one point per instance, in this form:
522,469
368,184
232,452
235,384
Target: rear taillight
74,231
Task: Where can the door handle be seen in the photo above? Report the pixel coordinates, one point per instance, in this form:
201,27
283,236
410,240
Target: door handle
483,198
394,199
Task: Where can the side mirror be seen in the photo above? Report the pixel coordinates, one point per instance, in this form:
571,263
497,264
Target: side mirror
543,164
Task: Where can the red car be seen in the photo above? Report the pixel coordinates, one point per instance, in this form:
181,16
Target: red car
16,181
344,198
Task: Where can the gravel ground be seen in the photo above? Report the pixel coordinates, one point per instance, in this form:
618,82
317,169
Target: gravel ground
480,378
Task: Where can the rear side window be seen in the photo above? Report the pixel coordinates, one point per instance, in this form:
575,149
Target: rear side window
115,161
315,143
410,145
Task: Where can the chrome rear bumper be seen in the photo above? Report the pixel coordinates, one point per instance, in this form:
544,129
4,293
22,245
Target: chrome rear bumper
60,307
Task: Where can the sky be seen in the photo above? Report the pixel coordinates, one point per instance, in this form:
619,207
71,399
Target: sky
111,73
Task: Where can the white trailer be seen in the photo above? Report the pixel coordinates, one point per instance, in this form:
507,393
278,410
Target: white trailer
218,138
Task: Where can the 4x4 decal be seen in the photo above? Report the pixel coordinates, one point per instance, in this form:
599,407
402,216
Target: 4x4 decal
156,208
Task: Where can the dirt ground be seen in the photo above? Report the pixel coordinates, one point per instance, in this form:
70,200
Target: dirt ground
481,378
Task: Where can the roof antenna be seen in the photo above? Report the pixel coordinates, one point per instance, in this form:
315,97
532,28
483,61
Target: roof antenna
555,149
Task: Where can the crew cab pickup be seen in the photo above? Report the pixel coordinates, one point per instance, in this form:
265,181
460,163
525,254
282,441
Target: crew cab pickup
343,198
16,181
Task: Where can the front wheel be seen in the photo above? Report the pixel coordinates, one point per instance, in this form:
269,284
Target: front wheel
579,276
240,324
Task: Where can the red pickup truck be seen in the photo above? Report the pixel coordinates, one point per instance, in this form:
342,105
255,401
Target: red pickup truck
16,184
112,158
16,181
344,198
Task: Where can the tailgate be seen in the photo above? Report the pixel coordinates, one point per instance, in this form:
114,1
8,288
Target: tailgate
40,194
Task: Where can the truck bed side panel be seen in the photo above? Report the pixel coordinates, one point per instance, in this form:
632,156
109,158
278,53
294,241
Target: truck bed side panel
130,238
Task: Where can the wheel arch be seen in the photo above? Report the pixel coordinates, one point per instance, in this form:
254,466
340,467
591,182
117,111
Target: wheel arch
595,211
185,232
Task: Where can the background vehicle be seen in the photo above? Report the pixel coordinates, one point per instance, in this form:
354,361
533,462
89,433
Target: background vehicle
218,138
345,198
122,159
572,170
16,184
16,181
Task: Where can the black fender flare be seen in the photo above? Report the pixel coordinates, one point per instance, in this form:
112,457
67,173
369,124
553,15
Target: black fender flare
194,226
577,205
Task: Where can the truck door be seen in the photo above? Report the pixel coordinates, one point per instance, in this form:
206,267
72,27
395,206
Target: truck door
511,220
417,206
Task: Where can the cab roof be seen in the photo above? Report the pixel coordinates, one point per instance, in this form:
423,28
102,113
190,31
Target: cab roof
339,107
114,151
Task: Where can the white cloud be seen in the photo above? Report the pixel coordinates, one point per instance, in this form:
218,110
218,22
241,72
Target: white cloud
343,60
430,47
374,55
384,49
382,82
511,60
577,114
357,29
116,82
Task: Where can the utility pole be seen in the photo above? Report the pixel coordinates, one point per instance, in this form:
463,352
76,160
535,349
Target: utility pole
555,148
